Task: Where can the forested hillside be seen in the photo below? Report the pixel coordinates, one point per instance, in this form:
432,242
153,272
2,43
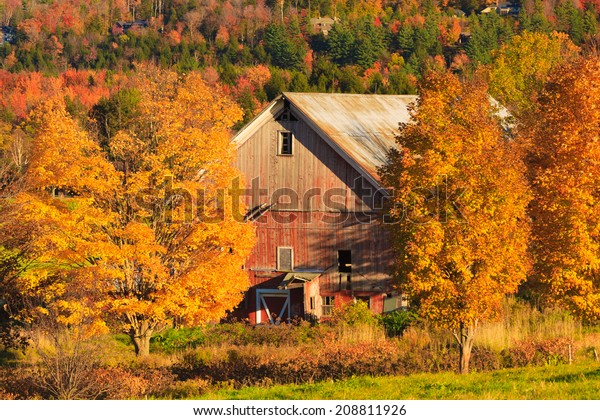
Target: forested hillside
258,48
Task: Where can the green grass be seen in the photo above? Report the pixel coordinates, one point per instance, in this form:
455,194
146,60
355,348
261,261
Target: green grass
580,381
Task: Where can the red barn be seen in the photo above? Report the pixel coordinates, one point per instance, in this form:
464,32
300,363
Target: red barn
310,161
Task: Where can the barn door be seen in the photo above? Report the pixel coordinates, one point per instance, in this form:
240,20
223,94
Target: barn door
272,303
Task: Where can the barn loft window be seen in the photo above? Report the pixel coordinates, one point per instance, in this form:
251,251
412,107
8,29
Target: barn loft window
286,115
285,258
327,305
345,261
285,143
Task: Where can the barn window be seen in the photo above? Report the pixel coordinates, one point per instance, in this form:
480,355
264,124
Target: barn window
344,261
327,305
313,304
285,146
285,258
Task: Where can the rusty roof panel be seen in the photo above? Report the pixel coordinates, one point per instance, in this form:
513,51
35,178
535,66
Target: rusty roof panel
363,126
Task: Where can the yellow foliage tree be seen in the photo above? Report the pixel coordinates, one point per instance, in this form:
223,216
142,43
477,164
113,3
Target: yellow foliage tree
460,233
520,69
47,236
564,160
144,230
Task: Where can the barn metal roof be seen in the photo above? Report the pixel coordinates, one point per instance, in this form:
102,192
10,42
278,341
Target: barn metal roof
363,126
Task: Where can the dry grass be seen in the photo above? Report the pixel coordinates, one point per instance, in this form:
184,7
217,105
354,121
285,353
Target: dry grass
522,322
361,333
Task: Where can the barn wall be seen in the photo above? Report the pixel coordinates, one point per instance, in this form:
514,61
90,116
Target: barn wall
315,239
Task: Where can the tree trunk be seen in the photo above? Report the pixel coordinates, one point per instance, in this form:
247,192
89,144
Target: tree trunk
465,336
140,335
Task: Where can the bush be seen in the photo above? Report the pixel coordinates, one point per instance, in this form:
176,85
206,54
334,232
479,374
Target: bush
175,339
20,384
354,313
306,364
396,322
65,371
538,352
190,389
238,334
139,383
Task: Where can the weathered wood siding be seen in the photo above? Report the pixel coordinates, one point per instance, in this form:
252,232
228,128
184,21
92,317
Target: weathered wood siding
315,244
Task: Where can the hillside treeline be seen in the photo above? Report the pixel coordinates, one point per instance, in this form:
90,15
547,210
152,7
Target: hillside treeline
258,48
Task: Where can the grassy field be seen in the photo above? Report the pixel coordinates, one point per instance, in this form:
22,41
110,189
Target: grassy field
524,356
580,381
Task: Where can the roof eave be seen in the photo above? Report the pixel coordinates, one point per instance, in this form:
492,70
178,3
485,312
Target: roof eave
255,123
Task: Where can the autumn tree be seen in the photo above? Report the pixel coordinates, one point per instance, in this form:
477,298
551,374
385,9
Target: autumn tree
14,155
459,232
564,162
519,71
8,8
177,247
142,230
49,240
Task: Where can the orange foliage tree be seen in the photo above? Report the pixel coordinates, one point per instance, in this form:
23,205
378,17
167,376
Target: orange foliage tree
143,231
460,233
564,163
49,240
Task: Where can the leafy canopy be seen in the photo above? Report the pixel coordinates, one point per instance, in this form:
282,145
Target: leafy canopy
141,231
459,201
564,160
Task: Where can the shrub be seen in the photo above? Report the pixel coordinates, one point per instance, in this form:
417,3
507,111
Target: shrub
175,339
238,334
4,395
189,389
354,313
395,323
538,352
21,384
116,383
65,371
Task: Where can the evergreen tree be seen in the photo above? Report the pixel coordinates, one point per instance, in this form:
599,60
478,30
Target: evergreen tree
406,40
590,20
488,32
283,51
570,20
539,22
299,82
341,43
